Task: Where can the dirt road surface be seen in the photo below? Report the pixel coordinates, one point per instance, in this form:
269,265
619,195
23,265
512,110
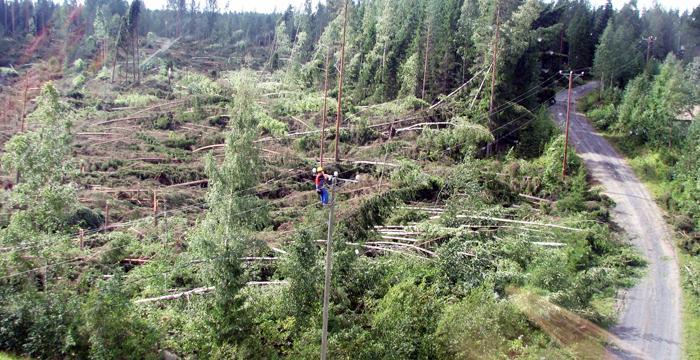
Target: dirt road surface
650,312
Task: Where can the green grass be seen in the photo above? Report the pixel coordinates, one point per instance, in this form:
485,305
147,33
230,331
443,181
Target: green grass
6,356
647,164
691,306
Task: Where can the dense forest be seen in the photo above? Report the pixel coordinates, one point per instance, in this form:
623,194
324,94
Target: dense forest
158,197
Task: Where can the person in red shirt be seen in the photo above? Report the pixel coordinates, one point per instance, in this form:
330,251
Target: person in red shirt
320,182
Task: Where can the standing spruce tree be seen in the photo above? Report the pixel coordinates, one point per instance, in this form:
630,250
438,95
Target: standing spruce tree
234,213
619,57
579,35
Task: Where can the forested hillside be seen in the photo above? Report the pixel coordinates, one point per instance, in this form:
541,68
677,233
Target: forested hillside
158,196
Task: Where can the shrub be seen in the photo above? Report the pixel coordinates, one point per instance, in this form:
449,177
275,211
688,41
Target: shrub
104,74
79,81
603,117
179,141
271,126
41,324
409,174
78,65
307,142
135,100
405,319
165,122
457,142
304,104
479,326
552,162
198,84
115,329
86,218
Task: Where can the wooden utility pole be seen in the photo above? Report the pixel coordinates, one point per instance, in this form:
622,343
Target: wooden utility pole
24,100
116,49
329,264
325,108
82,239
494,68
650,42
106,216
155,208
568,112
339,113
425,63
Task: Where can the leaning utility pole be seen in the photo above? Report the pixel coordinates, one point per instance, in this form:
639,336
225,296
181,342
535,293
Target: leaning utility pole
568,111
325,109
494,65
339,113
329,264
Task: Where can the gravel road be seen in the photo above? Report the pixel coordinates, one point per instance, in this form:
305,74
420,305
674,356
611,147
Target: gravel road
650,312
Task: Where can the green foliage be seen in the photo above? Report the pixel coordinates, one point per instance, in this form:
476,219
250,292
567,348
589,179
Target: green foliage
408,76
307,142
41,157
135,99
115,329
409,174
229,320
618,45
179,141
78,65
104,74
303,271
41,325
85,218
271,126
166,122
79,81
479,326
604,117
406,318
650,105
458,141
292,104
552,161
200,85
533,139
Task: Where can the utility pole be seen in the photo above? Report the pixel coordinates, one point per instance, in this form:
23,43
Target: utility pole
106,224
325,109
425,63
24,100
339,113
155,209
568,112
650,41
494,65
329,264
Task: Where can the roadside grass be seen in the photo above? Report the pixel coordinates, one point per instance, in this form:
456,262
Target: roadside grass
690,268
653,172
6,356
647,165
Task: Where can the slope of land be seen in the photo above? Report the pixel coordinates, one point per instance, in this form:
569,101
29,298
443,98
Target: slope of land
650,317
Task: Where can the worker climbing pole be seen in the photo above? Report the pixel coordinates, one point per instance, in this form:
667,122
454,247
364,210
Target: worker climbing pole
321,180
